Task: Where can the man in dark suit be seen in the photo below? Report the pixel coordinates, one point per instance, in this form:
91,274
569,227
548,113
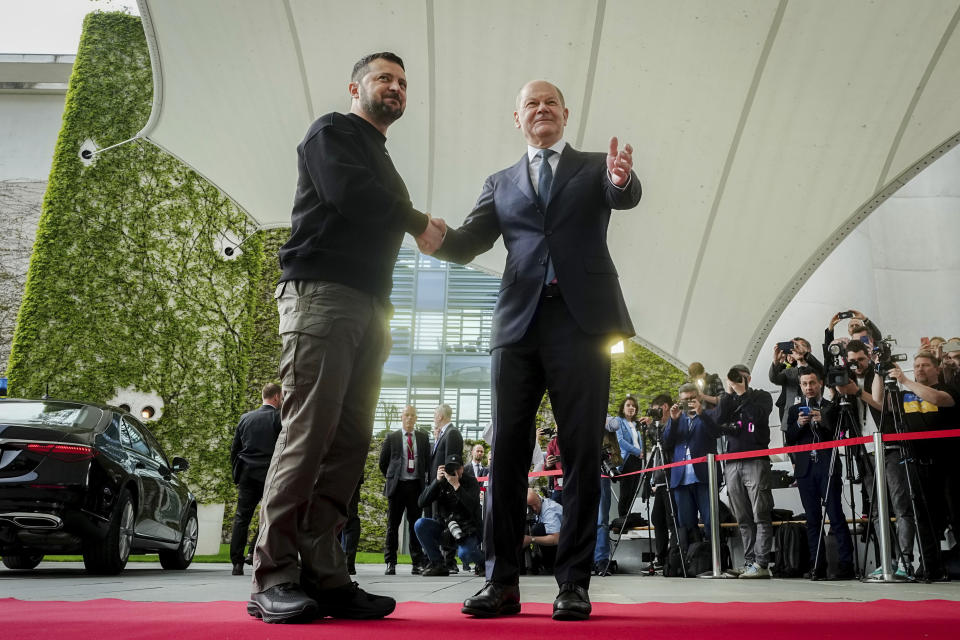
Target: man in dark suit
447,442
253,444
405,462
814,421
559,310
476,467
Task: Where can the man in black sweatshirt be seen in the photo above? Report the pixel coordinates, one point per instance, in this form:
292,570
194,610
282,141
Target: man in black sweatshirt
350,212
744,418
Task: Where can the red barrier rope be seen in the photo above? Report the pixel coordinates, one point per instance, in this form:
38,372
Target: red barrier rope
830,444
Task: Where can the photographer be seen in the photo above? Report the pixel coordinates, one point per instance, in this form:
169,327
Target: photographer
708,384
554,462
656,482
631,448
928,405
543,531
818,475
743,416
690,433
858,326
457,501
788,358
610,462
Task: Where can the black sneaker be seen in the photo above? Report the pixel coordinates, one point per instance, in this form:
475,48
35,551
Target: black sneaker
350,602
285,602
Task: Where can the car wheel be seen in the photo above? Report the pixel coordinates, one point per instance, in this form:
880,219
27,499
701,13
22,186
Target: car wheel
181,557
24,562
108,556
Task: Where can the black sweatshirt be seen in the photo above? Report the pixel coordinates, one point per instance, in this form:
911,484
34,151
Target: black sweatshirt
351,208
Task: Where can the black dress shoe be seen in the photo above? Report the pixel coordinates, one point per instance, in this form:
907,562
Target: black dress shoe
351,568
350,602
248,560
843,572
238,568
391,570
433,570
493,600
282,603
416,570
572,603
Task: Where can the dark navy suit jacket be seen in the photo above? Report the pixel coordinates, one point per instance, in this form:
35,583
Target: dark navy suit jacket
805,434
699,435
572,230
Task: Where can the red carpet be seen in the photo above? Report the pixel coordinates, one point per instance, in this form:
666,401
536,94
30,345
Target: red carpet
123,620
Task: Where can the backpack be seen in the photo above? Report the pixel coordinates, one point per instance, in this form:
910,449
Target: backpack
792,557
673,568
700,558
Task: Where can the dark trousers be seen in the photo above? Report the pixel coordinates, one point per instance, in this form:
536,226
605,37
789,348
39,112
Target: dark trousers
335,341
574,368
350,534
661,516
403,500
813,489
249,493
628,485
692,499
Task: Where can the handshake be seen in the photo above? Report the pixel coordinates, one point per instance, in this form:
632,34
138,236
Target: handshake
432,237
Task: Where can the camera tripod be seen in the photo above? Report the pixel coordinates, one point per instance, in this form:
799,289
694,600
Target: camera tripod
849,425
892,400
655,459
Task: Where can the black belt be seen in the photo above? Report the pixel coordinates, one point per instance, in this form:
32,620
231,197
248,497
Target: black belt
551,291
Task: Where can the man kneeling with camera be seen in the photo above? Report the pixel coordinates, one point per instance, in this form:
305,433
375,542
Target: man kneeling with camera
544,517
458,508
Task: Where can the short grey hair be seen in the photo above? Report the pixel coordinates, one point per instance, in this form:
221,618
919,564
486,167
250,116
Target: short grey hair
445,411
687,387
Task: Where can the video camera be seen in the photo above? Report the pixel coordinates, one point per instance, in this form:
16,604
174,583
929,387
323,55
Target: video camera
840,371
886,359
606,463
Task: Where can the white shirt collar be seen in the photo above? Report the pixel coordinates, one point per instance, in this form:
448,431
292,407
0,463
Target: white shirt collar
557,147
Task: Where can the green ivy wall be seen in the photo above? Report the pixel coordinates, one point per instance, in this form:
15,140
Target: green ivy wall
126,284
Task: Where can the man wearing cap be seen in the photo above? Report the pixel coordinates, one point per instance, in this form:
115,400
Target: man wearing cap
456,498
744,418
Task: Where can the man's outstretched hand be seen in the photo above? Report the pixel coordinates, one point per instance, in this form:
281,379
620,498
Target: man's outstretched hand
432,237
619,163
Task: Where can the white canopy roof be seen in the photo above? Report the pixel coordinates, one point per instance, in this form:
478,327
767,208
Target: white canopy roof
764,130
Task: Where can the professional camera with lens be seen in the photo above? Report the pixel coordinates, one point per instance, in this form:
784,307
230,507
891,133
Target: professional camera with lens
548,432
606,463
840,371
886,359
654,412
531,520
455,530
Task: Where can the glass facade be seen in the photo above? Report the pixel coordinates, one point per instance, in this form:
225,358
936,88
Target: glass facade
441,325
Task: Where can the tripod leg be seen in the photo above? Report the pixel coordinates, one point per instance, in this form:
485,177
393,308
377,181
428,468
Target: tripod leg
623,527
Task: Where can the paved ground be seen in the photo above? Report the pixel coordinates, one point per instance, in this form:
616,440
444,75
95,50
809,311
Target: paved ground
209,582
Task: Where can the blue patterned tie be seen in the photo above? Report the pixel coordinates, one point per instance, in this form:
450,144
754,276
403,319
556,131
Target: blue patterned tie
544,182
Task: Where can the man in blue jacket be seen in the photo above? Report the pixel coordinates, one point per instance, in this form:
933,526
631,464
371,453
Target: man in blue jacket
817,478
691,433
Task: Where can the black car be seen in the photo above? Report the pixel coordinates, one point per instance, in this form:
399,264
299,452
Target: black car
90,479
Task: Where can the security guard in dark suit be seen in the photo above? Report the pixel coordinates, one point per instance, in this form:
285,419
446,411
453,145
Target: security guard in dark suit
405,463
253,444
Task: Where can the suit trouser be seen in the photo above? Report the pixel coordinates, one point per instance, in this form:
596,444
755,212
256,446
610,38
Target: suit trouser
692,499
751,500
249,493
350,534
335,341
574,368
813,489
404,499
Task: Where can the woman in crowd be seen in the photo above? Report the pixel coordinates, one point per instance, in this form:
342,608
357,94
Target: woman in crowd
631,448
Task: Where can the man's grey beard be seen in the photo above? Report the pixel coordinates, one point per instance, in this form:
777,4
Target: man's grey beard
379,110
